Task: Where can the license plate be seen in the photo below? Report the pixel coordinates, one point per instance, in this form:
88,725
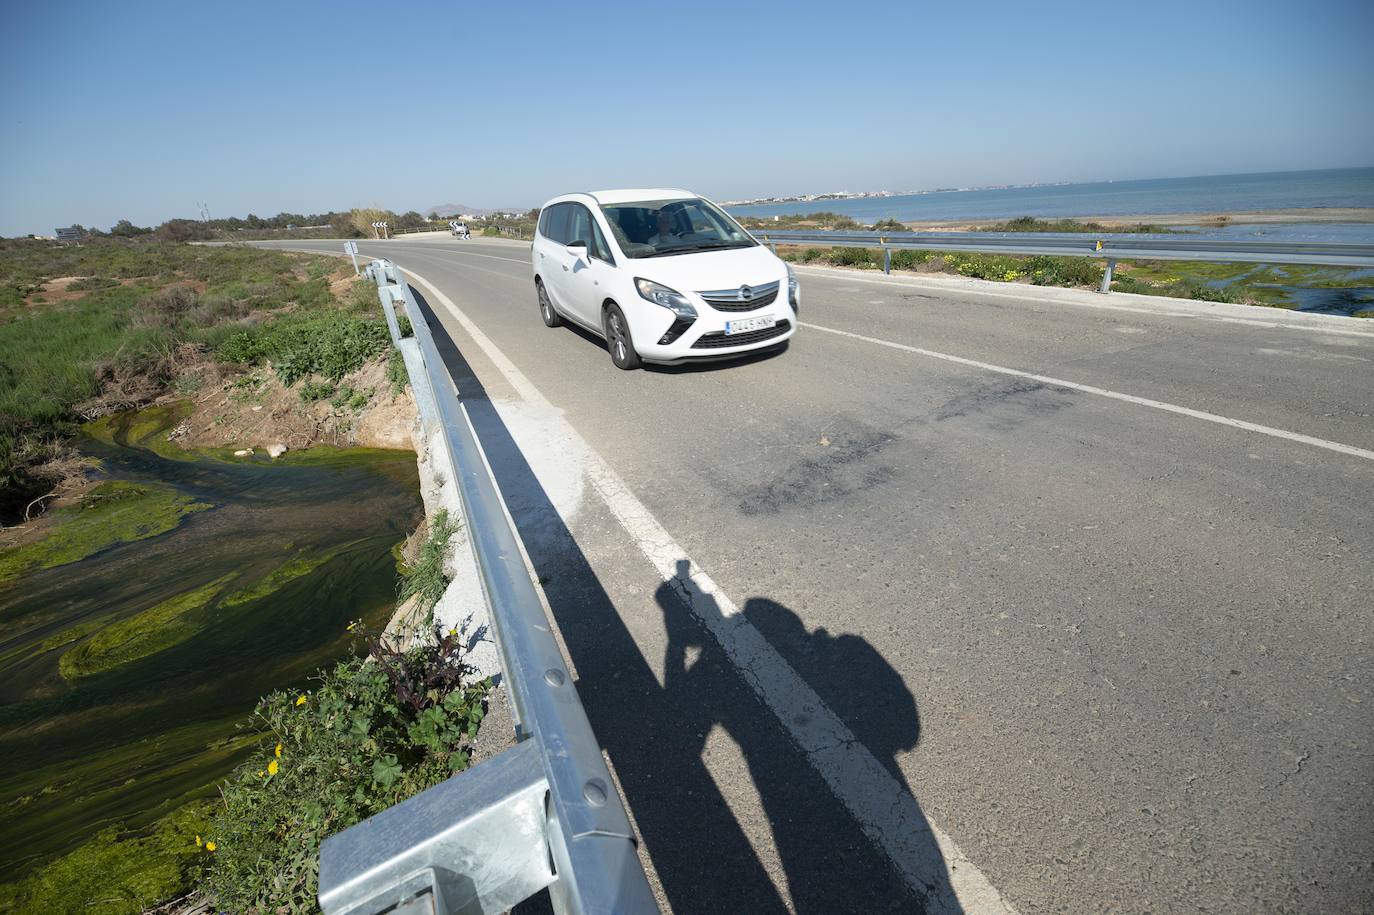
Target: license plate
744,325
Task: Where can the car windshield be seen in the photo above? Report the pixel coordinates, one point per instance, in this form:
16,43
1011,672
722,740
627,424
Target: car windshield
656,228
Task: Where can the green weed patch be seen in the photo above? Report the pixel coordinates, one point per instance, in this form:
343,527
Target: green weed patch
112,513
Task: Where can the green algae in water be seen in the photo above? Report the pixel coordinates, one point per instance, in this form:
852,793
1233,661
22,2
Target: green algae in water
301,565
118,871
149,632
112,513
308,543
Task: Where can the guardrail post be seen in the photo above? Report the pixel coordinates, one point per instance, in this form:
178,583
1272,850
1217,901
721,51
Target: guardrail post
887,260
1107,276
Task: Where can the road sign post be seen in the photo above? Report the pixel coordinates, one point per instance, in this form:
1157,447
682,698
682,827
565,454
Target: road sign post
352,248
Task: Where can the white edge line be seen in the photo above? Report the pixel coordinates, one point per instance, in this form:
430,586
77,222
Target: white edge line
887,812
1103,392
1168,307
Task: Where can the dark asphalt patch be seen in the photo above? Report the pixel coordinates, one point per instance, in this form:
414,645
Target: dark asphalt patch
1006,405
831,471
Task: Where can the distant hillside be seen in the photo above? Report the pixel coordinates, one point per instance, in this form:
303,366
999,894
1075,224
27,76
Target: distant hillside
454,209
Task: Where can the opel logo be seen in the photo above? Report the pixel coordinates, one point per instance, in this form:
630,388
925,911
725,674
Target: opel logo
745,293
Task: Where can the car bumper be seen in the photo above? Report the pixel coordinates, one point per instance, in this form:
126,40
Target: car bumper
705,339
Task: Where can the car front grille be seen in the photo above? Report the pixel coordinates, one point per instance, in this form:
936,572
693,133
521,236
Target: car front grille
718,339
744,298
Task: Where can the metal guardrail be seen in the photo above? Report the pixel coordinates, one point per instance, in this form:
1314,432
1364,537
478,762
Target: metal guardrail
1108,247
543,814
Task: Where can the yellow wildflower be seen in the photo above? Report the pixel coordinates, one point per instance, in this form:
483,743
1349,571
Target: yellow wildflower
261,773
272,767
210,846
277,752
199,843
300,700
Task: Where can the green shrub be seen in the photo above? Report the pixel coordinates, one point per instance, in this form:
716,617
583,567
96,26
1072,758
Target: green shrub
1046,270
906,259
403,324
351,398
376,731
984,266
240,347
853,257
322,345
312,390
889,225
491,231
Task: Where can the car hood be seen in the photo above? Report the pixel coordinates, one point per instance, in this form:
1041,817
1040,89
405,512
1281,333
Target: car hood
711,270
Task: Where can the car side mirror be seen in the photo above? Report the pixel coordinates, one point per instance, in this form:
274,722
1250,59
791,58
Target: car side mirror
576,244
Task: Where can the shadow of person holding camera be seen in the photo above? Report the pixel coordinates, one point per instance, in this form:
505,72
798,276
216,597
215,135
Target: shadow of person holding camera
823,849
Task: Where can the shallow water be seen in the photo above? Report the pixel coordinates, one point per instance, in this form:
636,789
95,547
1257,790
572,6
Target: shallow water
1347,187
132,742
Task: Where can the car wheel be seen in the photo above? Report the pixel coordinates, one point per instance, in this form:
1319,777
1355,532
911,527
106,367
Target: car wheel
618,340
551,317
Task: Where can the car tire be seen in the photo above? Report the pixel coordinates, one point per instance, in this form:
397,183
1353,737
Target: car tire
618,339
546,311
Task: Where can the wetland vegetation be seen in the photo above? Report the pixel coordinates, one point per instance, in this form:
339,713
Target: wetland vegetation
172,573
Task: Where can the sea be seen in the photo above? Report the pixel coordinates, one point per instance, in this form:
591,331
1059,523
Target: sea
1344,187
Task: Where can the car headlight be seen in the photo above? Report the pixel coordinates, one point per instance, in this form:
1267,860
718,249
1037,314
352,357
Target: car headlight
793,287
670,299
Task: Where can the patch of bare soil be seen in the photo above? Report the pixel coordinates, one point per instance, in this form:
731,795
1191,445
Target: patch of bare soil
254,410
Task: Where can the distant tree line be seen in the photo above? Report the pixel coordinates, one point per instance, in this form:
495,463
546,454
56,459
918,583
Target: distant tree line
355,223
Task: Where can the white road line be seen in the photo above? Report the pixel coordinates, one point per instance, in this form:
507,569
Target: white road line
488,270
946,881
1103,392
1165,310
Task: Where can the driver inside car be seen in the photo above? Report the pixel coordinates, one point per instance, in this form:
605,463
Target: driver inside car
665,235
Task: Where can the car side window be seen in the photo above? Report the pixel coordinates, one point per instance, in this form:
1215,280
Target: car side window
579,224
557,229
600,250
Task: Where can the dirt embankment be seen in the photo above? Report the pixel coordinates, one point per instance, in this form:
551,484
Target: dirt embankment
255,410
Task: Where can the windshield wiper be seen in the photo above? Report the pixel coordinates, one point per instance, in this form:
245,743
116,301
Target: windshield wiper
707,246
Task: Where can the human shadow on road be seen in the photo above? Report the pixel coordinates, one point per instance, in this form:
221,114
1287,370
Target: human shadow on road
701,846
856,684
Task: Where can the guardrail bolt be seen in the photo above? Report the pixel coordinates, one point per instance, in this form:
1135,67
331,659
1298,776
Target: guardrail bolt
553,677
595,792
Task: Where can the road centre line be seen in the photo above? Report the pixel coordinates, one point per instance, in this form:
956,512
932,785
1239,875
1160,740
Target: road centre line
887,812
1161,312
1103,392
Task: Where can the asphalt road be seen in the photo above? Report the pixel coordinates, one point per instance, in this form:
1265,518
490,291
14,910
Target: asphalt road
1114,640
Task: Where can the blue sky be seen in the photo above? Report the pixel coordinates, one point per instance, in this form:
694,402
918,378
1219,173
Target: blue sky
142,109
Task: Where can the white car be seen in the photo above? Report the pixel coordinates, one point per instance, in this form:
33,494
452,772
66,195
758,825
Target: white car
662,275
